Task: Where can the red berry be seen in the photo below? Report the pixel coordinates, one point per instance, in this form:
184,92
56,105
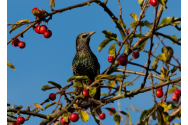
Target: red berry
20,120
43,28
15,123
160,89
112,109
74,117
37,29
122,60
52,96
110,59
21,44
178,92
15,42
159,93
102,116
64,122
85,93
35,8
135,54
175,97
39,14
153,2
47,34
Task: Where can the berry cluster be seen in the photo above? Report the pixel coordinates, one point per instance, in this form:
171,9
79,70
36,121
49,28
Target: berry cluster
73,117
122,60
176,96
42,29
20,120
16,42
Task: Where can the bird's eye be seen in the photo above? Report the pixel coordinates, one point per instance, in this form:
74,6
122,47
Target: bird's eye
84,36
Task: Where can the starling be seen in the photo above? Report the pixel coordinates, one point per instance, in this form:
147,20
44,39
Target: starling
85,63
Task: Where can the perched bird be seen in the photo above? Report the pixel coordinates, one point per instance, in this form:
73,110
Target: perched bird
85,63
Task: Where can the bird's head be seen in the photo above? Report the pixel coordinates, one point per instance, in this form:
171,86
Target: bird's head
82,40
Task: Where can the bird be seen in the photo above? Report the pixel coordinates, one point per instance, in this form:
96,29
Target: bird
85,63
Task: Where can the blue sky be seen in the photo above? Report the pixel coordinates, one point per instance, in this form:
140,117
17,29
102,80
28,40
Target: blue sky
44,60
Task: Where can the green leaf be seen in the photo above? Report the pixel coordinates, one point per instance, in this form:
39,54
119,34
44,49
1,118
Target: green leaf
145,114
117,119
111,111
111,83
48,117
174,69
140,2
36,12
55,84
84,115
134,16
171,90
136,35
168,20
8,104
110,35
154,115
110,77
154,64
121,23
171,106
19,107
102,94
92,91
77,84
10,65
124,113
72,78
18,24
112,50
165,21
103,44
160,56
174,37
50,104
129,116
142,45
46,87
38,106
165,117
147,24
133,24
163,3
128,83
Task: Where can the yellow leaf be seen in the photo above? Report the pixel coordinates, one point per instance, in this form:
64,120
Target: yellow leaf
84,115
163,72
20,22
165,106
52,3
134,16
10,65
38,106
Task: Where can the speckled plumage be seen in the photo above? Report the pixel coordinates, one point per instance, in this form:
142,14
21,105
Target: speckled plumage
86,63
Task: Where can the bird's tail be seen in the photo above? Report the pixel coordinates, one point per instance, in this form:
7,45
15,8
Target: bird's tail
93,108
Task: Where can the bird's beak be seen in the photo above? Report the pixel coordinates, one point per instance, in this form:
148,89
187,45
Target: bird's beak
91,33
